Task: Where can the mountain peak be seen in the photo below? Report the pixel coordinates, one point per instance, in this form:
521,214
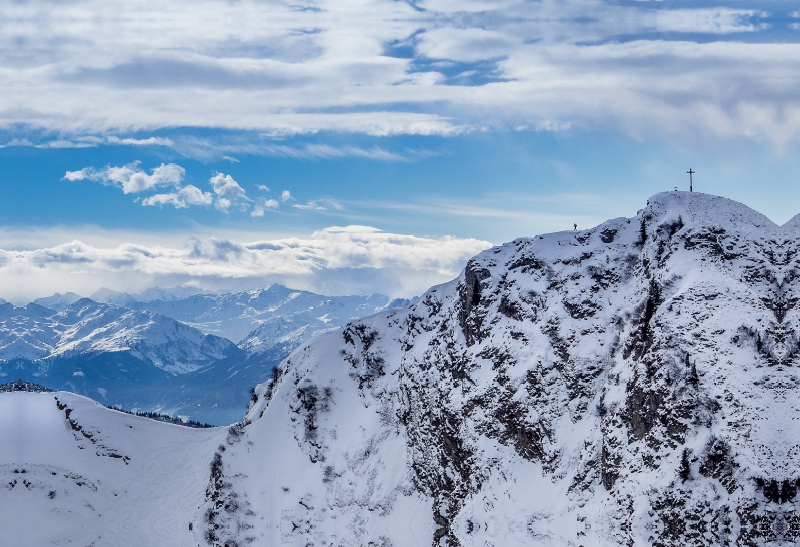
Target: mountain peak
110,296
703,209
625,384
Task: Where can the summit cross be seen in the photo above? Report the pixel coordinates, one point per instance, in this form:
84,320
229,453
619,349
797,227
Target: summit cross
690,177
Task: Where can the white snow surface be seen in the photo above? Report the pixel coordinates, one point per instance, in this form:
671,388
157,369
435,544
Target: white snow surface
104,479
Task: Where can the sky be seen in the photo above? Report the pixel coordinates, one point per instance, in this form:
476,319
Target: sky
350,146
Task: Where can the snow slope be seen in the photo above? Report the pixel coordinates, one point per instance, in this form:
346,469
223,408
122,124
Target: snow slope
632,384
76,473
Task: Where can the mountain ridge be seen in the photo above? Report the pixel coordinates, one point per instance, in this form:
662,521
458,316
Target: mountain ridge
627,384
39,334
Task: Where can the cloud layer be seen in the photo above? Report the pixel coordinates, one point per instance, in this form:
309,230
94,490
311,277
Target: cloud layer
341,260
646,69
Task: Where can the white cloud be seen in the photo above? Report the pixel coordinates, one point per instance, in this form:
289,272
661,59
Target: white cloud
465,44
195,196
318,205
325,151
165,199
93,141
150,141
186,196
228,191
336,260
258,210
707,20
538,65
286,195
226,187
264,145
262,187
130,178
66,144
78,175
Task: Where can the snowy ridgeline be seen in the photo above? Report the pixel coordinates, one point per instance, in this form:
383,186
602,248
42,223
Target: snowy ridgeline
632,384
258,320
174,355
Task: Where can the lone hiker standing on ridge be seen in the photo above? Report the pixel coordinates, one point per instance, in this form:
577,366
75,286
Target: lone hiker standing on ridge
575,227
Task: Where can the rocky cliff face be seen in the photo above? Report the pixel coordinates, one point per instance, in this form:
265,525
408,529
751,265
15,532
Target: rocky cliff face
632,384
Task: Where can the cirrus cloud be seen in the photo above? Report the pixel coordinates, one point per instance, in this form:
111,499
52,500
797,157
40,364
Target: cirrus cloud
318,205
433,67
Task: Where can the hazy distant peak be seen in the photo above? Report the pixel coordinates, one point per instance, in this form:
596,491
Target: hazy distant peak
110,296
58,301
171,293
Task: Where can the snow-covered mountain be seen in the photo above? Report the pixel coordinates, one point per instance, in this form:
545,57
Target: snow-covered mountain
110,296
137,360
632,384
260,320
58,301
269,322
85,327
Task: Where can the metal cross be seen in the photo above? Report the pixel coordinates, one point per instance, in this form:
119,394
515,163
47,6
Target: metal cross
690,177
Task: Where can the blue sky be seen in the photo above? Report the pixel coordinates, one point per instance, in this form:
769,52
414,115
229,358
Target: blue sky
373,146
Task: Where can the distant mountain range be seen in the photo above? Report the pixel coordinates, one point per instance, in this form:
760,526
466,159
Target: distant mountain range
238,315
168,350
85,327
108,296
